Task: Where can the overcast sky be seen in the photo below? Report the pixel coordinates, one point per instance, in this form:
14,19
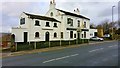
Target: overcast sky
97,11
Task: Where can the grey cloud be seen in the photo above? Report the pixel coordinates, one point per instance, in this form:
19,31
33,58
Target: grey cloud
108,12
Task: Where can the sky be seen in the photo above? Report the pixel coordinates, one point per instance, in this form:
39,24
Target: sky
97,11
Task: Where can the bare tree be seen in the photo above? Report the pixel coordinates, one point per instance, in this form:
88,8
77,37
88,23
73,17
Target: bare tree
92,26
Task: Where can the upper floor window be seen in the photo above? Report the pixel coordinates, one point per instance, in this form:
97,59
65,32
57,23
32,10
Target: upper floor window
37,23
55,35
71,34
47,24
84,24
22,21
70,21
51,14
78,23
55,25
36,34
61,34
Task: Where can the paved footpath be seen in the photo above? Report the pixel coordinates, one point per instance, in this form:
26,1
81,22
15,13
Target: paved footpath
10,54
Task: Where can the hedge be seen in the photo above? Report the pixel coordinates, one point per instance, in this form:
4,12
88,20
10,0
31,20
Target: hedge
24,46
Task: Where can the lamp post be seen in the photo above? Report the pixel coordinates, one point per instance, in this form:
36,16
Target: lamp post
112,20
112,12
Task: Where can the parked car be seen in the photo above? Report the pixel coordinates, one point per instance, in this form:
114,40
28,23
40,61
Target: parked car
96,39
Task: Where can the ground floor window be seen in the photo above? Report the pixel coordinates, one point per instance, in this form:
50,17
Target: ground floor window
55,35
71,34
74,35
84,34
61,34
36,34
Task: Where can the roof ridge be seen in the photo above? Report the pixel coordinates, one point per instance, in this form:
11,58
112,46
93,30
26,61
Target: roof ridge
33,16
37,15
72,13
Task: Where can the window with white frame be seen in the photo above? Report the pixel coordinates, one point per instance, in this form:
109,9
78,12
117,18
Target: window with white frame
37,23
55,35
37,35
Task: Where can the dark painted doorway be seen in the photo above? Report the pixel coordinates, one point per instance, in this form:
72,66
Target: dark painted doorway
13,38
25,36
95,33
47,36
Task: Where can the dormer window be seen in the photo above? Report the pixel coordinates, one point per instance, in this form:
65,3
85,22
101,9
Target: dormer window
55,25
70,21
37,23
51,14
22,21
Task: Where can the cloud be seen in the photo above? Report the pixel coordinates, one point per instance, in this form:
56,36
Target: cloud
14,9
96,10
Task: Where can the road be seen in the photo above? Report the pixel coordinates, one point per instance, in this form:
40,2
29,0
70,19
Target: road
104,54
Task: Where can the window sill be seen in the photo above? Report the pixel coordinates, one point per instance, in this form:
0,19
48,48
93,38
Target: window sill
37,25
55,26
47,26
37,37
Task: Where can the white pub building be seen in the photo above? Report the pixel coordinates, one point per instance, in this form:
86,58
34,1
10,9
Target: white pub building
57,24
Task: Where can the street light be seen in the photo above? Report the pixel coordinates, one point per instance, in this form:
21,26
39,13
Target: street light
112,21
112,12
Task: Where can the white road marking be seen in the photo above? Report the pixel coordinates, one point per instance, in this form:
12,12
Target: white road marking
115,45
105,59
115,55
101,48
49,60
96,49
60,58
75,55
110,46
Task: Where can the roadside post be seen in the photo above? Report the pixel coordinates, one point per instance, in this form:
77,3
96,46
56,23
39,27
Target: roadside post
16,47
49,44
60,42
35,45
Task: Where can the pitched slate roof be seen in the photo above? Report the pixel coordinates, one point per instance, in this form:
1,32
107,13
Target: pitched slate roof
32,16
72,14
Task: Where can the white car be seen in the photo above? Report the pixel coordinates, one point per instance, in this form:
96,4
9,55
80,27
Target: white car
96,39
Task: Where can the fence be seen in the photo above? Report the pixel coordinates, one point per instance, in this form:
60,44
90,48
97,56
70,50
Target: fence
43,44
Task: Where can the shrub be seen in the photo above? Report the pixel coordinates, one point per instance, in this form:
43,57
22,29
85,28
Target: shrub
24,46
54,43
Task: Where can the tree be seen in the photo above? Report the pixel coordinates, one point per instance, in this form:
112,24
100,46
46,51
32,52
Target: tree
92,26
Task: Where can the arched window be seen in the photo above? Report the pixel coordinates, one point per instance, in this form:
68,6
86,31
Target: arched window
37,34
55,34
51,14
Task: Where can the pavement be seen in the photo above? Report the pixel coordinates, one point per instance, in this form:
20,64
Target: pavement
92,54
11,54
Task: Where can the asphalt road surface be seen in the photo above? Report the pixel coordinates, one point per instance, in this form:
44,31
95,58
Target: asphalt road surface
104,54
